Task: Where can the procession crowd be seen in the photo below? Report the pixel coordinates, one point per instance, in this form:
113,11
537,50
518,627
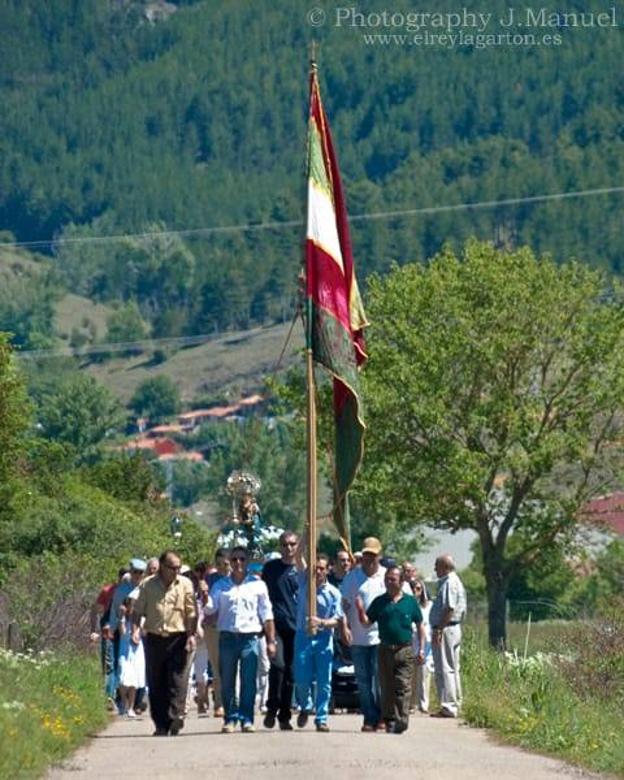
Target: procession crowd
243,630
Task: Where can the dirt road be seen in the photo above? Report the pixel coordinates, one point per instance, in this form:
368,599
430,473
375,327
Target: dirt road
431,750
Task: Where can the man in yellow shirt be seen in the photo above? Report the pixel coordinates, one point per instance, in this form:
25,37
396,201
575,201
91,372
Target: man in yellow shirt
167,609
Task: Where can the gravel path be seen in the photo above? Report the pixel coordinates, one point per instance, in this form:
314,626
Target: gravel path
432,749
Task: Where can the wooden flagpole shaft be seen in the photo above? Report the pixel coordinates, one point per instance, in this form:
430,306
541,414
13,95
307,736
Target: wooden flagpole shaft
311,517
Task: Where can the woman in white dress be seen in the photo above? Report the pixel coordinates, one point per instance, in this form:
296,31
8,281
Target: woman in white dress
131,661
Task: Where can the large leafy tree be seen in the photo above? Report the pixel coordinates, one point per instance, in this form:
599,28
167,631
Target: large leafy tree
79,412
125,324
157,397
495,395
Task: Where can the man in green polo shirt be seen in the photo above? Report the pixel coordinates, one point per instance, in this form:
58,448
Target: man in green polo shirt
395,613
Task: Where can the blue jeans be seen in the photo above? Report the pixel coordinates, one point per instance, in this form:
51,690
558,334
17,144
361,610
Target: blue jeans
238,652
107,652
366,673
313,661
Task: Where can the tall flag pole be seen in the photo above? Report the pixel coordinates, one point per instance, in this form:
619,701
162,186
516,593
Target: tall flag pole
311,399
335,321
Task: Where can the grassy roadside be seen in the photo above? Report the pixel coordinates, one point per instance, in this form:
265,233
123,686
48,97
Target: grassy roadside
49,704
533,703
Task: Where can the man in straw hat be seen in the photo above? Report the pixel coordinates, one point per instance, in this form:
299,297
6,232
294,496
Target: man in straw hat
359,589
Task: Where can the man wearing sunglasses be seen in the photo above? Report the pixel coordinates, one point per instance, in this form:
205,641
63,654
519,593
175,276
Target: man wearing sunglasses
243,611
166,605
280,576
341,567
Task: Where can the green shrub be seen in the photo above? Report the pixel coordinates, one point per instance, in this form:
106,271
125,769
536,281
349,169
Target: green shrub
58,550
126,477
48,597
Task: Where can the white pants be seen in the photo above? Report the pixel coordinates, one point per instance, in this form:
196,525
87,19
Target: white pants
421,683
446,665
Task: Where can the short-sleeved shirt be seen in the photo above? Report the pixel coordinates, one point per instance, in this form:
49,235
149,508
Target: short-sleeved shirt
105,596
355,584
241,608
328,603
104,601
167,610
395,618
451,595
281,580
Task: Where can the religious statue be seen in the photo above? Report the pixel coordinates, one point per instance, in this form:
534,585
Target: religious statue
246,517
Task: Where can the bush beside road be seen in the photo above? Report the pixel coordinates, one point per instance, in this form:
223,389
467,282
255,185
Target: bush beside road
49,705
565,703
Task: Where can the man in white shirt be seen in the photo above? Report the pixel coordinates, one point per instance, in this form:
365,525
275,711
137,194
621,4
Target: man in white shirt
243,609
446,616
359,589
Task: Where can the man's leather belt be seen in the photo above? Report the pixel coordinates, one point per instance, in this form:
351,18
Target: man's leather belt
452,623
398,647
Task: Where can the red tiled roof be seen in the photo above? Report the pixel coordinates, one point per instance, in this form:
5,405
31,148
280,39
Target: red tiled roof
160,446
164,429
200,414
191,455
140,444
252,399
219,411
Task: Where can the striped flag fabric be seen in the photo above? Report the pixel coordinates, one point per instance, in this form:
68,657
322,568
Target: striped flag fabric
335,316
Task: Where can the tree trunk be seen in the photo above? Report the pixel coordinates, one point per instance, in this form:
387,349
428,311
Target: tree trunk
497,586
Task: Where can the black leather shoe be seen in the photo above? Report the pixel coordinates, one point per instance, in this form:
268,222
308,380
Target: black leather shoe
323,727
285,725
302,719
176,725
160,733
269,720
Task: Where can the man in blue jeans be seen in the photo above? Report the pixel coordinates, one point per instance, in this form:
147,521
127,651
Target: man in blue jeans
241,604
314,652
359,589
100,629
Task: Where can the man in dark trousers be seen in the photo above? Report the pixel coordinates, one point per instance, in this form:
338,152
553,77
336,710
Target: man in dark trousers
280,576
395,612
167,609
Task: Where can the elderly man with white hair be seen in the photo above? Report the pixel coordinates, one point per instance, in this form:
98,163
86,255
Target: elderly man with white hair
447,613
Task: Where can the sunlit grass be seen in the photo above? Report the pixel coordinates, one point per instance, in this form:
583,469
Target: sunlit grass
529,702
48,705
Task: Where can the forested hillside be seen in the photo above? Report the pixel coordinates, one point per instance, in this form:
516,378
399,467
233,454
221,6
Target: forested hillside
130,117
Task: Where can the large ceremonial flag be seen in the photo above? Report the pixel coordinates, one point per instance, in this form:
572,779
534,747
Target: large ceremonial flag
335,315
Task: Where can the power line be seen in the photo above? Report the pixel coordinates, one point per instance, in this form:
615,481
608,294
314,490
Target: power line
254,227
486,204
